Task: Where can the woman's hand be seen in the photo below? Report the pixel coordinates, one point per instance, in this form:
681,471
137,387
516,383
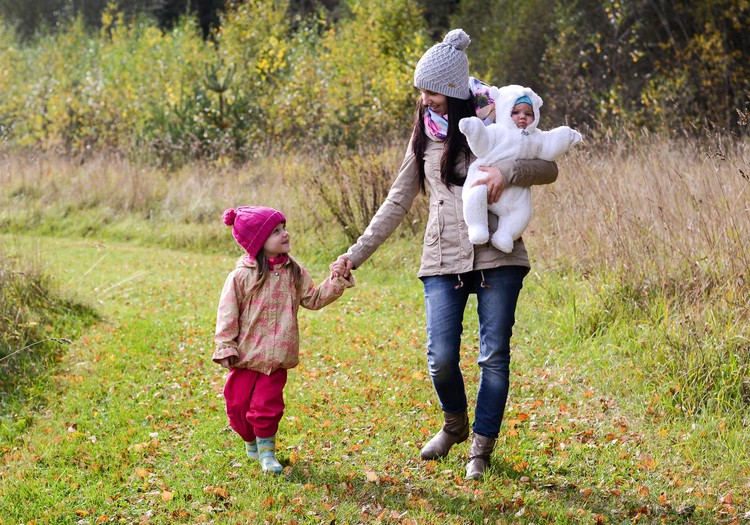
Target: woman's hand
342,267
495,183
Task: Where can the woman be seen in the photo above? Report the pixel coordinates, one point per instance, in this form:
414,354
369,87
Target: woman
452,268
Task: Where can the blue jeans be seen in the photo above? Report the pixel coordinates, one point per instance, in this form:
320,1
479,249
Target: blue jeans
446,296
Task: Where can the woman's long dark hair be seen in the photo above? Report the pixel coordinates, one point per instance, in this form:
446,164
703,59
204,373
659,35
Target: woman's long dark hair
455,143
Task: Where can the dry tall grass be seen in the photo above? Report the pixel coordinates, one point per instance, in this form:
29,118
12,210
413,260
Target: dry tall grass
659,209
656,208
651,208
657,227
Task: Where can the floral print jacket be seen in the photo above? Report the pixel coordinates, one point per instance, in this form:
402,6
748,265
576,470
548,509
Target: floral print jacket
261,332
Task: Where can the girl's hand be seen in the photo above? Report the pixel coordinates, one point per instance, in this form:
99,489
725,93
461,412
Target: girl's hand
228,362
495,183
341,267
337,269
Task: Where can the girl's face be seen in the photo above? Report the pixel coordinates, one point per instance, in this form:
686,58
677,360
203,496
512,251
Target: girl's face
437,102
522,115
278,242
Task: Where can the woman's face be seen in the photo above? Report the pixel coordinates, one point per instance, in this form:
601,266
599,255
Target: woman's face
437,102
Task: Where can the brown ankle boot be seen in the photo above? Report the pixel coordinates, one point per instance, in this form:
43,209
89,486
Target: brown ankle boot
479,456
455,430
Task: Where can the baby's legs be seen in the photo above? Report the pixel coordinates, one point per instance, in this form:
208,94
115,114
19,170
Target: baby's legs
475,213
513,212
503,241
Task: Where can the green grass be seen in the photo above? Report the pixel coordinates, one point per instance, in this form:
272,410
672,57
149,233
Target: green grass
31,311
132,427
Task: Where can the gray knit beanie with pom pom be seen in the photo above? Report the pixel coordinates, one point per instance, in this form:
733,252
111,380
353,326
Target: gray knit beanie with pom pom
444,68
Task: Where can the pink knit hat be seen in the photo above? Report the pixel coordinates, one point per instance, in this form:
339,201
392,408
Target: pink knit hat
251,225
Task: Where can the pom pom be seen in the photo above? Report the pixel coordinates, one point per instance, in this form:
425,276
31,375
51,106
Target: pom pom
229,216
458,39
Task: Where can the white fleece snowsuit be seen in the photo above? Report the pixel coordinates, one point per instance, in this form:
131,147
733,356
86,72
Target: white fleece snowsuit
503,140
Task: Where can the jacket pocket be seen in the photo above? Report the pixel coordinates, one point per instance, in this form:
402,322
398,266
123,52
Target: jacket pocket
434,225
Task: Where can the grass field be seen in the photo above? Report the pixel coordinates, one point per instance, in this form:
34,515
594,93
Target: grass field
630,394
131,426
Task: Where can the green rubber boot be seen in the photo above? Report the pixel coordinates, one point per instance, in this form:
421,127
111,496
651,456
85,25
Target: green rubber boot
267,455
251,449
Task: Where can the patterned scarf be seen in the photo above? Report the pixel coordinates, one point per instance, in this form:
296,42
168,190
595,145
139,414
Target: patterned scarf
436,126
483,103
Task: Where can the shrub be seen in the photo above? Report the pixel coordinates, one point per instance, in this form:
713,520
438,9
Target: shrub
28,310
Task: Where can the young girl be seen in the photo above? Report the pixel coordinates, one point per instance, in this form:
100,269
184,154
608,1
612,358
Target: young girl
257,336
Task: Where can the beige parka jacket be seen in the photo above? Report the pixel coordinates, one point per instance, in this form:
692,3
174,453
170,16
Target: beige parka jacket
446,248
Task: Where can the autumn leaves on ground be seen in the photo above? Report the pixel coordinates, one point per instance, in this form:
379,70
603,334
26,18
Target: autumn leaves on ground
629,398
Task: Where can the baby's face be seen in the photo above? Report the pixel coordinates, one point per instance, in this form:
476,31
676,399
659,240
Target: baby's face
522,115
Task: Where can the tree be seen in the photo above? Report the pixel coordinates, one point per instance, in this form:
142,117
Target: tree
508,39
655,63
167,12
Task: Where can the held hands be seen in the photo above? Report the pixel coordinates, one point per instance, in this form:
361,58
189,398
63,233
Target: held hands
495,183
341,267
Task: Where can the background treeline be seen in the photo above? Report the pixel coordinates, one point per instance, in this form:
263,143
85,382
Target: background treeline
214,79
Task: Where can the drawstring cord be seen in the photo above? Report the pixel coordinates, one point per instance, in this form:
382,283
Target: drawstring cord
460,283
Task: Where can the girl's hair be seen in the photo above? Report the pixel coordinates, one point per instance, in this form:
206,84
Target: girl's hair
455,143
262,266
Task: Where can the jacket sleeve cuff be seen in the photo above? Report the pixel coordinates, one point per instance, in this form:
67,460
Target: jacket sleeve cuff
223,353
529,172
345,282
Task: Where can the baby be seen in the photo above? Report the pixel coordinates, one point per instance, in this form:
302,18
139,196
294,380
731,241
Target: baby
513,135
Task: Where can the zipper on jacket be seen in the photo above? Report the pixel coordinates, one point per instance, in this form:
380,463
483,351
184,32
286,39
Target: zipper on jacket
440,232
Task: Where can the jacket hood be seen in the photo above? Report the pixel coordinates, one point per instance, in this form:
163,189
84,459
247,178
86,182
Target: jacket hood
505,98
245,262
249,262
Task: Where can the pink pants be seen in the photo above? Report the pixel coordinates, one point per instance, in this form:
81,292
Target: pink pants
255,402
